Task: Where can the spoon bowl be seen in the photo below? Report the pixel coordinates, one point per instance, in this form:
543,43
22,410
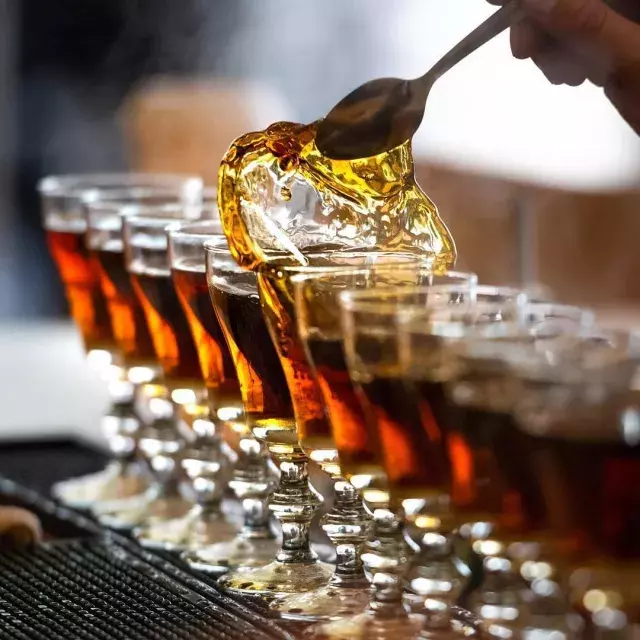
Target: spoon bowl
384,113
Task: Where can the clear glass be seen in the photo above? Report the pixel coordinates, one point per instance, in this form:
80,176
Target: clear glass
170,521
104,212
340,442
412,445
578,421
251,480
65,220
311,424
279,195
452,360
269,413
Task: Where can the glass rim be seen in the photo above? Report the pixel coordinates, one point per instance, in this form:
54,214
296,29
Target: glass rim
296,269
213,245
112,198
561,310
187,229
582,365
156,215
75,185
365,299
363,270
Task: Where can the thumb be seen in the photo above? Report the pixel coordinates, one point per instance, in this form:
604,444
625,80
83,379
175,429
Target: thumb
624,93
593,24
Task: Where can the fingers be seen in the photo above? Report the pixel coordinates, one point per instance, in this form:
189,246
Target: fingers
574,40
591,22
624,93
18,527
560,67
557,63
526,39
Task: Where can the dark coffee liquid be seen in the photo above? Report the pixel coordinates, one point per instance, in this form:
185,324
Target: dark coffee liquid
413,443
357,441
215,360
263,386
167,323
82,288
127,316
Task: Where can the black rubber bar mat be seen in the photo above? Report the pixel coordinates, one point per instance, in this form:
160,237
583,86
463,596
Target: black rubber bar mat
92,584
86,582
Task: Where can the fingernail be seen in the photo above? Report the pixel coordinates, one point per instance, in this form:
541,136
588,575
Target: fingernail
521,40
540,6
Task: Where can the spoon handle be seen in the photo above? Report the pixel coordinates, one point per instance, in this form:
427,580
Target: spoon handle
508,15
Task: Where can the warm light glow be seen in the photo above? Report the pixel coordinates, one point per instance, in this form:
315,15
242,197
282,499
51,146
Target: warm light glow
140,375
487,547
203,427
184,396
160,407
594,600
99,359
532,570
375,496
428,522
229,413
360,481
430,586
112,373
493,612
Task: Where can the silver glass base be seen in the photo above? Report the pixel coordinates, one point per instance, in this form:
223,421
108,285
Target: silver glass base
241,553
326,603
278,578
192,530
369,626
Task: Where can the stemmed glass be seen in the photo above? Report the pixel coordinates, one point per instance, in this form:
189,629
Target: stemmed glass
170,519
65,220
251,481
269,415
579,423
277,302
343,445
470,394
413,451
104,213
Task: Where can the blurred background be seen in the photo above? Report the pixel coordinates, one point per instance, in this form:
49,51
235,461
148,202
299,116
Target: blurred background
538,183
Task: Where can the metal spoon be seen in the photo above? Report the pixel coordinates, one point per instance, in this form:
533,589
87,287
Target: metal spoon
383,113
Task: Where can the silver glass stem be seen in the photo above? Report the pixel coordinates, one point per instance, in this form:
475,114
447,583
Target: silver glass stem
294,503
347,525
252,483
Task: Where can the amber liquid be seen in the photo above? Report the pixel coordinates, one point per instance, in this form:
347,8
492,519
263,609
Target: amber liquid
314,431
215,360
414,447
491,479
263,387
127,317
358,445
169,329
374,200
491,476
586,494
82,287
591,492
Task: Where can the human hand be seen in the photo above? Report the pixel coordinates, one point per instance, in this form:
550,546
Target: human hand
576,40
18,527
